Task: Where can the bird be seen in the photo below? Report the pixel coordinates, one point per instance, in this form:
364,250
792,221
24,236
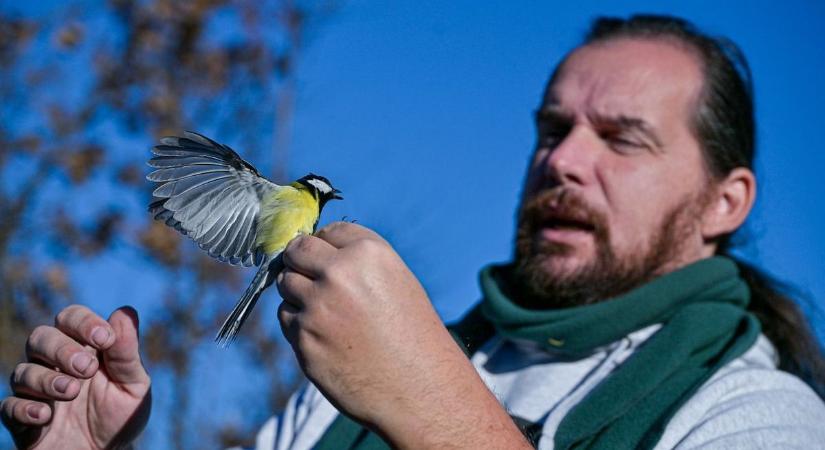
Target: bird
207,192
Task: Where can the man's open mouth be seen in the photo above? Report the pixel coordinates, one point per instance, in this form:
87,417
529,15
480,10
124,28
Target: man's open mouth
568,223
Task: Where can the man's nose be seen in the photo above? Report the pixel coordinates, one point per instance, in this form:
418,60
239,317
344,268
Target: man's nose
572,161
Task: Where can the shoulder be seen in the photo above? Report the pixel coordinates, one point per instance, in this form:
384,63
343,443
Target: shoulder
749,403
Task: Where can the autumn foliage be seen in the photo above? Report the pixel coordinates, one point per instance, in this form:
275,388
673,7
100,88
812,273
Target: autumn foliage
85,93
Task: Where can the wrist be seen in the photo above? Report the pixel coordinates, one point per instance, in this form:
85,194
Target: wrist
452,409
475,421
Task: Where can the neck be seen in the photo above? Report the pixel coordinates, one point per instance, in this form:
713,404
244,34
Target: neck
308,188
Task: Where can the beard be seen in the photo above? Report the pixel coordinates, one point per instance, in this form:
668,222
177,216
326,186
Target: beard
537,284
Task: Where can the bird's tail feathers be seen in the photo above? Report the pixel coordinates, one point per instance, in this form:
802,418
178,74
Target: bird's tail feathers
263,278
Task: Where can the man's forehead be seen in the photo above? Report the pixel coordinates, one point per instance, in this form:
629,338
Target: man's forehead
626,77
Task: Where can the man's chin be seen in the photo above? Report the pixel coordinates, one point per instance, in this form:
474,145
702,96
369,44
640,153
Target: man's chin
556,280
564,266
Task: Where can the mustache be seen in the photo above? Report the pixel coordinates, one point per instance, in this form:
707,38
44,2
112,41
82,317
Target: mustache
560,205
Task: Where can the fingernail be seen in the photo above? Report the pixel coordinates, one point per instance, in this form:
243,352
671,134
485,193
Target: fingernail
34,411
61,384
81,361
100,336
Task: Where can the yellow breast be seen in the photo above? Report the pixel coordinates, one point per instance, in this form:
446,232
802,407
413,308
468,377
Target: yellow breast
285,214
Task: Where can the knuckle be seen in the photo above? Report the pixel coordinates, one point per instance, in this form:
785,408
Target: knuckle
69,314
37,336
340,225
333,273
86,324
19,373
7,408
297,245
290,246
292,280
320,233
19,411
13,409
64,351
283,315
330,227
45,384
369,246
303,243
63,316
284,282
355,228
8,411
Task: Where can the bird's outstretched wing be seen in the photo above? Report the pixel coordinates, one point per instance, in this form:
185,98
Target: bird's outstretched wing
209,193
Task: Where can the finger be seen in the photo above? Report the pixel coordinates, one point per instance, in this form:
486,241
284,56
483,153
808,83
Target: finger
294,287
288,318
341,234
53,348
85,326
308,255
18,413
34,380
122,359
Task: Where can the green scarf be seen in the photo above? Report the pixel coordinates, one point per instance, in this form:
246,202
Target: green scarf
704,325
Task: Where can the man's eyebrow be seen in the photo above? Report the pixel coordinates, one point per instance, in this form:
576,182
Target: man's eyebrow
557,113
627,122
554,113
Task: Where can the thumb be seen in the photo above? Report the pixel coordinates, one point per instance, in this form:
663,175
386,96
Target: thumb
122,359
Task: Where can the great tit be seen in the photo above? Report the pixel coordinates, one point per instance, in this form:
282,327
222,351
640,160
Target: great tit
209,193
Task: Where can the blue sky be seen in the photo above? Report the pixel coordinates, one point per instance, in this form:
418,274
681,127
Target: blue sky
421,112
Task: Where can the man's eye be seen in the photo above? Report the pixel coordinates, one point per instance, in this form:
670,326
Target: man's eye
625,145
551,136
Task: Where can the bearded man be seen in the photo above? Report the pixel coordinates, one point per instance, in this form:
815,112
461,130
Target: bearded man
621,323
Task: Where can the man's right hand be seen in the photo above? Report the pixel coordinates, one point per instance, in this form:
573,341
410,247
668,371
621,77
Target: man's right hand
82,385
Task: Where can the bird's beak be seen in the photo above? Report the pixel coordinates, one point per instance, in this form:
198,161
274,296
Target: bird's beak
335,195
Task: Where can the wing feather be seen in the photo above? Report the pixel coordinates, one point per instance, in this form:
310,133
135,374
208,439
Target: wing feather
216,221
239,237
224,229
177,173
204,215
198,196
161,162
208,192
249,224
228,242
173,188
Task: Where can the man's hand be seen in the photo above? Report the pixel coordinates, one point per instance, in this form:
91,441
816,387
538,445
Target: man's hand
365,333
83,385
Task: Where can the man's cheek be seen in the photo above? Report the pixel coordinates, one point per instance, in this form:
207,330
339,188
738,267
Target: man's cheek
620,240
536,171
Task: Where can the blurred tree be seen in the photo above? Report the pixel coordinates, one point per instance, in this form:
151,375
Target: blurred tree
85,92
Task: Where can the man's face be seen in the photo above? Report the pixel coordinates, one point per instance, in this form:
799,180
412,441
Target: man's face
617,184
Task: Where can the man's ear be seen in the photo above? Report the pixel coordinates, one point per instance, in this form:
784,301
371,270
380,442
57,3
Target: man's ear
732,202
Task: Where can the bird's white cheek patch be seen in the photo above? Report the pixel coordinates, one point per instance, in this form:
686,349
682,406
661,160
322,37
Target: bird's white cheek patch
321,186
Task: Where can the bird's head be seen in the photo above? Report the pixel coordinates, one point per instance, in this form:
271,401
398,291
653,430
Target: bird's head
321,187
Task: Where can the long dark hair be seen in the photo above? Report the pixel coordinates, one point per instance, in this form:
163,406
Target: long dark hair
725,127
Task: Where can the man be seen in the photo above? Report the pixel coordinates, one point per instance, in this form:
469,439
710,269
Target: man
618,325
